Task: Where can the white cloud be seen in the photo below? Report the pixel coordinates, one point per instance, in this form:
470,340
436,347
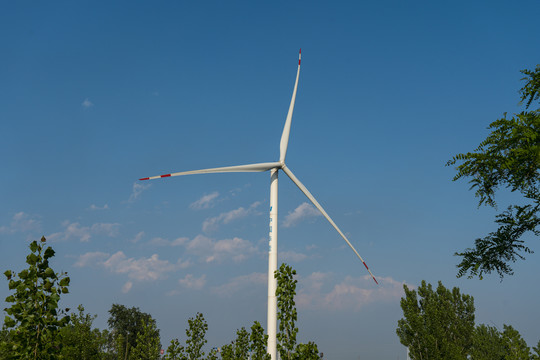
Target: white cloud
205,202
302,212
95,207
164,242
137,190
21,222
127,286
241,284
151,268
318,291
87,103
292,256
211,224
191,282
210,250
137,237
84,233
142,269
72,230
108,229
91,258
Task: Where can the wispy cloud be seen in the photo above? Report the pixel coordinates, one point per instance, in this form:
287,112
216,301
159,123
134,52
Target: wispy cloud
137,190
211,224
95,207
191,282
241,283
151,268
86,104
302,212
205,202
21,222
84,233
91,258
141,269
164,242
292,256
319,291
137,237
210,250
127,286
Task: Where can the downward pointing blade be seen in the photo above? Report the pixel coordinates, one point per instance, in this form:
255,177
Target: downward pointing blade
318,206
240,168
287,128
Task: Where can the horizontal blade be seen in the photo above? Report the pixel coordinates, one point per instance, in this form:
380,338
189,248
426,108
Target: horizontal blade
240,168
318,206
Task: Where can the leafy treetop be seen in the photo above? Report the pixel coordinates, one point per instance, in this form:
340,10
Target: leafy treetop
509,157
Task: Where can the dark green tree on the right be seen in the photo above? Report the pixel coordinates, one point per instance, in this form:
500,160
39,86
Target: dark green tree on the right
509,157
437,323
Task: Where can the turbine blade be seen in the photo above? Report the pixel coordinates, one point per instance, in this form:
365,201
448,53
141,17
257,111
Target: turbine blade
318,206
240,168
287,128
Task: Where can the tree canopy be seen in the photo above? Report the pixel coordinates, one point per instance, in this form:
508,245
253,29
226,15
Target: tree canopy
508,158
439,325
34,319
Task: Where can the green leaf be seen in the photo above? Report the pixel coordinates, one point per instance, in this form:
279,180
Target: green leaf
49,253
49,272
34,246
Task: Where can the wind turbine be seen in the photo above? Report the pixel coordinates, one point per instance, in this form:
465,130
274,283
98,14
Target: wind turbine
274,168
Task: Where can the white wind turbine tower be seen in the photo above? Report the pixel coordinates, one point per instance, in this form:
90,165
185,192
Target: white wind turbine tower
274,168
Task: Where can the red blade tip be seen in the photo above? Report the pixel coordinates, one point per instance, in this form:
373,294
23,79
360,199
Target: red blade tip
145,179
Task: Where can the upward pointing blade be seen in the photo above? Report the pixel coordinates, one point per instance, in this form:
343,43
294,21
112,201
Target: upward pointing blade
287,128
318,206
240,168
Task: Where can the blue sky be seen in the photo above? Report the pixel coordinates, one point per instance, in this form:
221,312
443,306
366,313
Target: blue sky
95,95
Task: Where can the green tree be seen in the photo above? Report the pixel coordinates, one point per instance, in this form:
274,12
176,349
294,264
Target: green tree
126,324
212,355
34,319
241,345
80,340
515,348
175,351
439,325
259,342
287,316
509,157
238,348
487,344
5,341
227,352
148,345
537,351
307,351
195,334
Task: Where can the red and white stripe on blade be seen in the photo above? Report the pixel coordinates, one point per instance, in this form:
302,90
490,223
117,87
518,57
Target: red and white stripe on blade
318,206
287,128
240,168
